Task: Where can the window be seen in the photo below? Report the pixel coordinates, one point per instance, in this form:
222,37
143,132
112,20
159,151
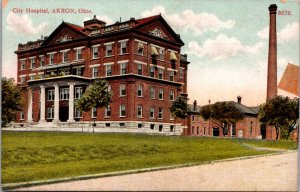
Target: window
122,90
65,57
50,95
171,128
140,49
198,130
78,92
95,51
123,68
192,130
160,128
94,72
107,111
161,54
121,124
204,132
233,129
193,118
122,111
140,90
77,113
151,71
42,60
151,112
140,125
161,94
171,73
152,92
108,49
251,125
31,77
160,113
152,126
108,71
32,63
64,94
23,64
94,112
172,95
123,47
50,113
22,79
140,111
22,115
171,116
79,54
181,72
107,124
160,73
140,69
78,71
51,58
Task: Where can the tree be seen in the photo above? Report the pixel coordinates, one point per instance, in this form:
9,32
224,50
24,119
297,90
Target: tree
282,113
96,95
11,100
179,108
222,114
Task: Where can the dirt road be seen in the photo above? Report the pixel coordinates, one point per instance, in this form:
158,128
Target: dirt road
269,173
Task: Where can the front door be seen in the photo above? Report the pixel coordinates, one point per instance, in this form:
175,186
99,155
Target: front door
63,114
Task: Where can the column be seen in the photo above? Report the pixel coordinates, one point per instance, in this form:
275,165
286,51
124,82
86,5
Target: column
71,103
42,109
29,112
56,103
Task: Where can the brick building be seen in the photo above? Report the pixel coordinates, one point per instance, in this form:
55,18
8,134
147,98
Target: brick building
248,127
140,59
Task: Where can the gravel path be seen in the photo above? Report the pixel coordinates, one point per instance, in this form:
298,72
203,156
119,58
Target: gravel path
268,173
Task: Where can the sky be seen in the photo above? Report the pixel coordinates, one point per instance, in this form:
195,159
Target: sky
226,41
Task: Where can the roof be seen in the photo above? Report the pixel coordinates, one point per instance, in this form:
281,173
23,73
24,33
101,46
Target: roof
244,109
146,19
192,110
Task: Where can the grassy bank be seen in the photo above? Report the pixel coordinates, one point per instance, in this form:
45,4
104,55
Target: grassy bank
29,156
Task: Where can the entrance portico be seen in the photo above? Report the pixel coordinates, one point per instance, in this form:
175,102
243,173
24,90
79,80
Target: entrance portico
63,98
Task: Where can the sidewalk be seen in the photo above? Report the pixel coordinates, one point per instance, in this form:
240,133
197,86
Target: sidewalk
268,173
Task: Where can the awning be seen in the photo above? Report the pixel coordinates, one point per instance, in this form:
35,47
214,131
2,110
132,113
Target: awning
173,56
140,46
154,51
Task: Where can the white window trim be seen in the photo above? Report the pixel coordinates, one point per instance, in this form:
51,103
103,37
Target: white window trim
153,113
22,75
140,62
24,59
94,65
108,43
120,110
169,69
110,63
172,50
123,61
141,116
33,57
152,65
79,47
153,45
65,50
97,45
123,40
51,52
92,113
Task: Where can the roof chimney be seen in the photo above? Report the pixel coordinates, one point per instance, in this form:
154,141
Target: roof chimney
195,105
239,100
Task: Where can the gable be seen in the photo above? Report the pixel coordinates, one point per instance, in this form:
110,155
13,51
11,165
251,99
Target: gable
159,28
63,33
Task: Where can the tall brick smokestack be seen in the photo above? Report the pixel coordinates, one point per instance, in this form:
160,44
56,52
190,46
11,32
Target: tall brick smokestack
272,57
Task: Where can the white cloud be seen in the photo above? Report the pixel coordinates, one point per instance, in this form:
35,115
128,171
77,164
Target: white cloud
288,33
222,47
104,18
22,25
188,20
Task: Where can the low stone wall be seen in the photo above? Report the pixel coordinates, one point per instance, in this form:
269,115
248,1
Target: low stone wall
104,127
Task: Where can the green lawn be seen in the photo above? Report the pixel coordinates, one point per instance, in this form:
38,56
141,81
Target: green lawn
30,156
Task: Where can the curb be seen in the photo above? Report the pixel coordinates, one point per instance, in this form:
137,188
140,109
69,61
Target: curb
119,173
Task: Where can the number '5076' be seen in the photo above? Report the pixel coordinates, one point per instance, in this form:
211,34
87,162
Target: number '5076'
284,12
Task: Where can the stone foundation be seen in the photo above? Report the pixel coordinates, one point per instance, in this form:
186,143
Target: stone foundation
101,127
